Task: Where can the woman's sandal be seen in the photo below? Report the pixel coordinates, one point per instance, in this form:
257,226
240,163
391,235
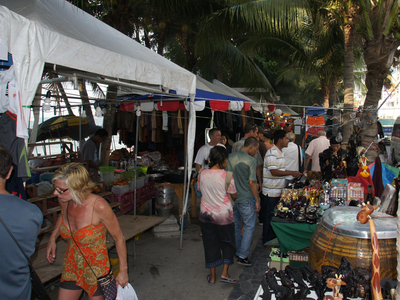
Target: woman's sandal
230,280
208,280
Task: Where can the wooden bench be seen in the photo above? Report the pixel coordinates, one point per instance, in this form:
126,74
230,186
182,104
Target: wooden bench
131,226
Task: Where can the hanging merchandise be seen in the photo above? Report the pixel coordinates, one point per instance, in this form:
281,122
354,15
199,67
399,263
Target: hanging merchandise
271,107
315,124
17,148
315,110
10,100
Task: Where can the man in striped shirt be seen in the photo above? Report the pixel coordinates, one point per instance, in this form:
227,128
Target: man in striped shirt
274,181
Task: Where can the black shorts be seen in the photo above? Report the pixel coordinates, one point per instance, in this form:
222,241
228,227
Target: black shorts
71,285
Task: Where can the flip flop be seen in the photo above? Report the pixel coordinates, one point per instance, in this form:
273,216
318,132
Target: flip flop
208,280
230,280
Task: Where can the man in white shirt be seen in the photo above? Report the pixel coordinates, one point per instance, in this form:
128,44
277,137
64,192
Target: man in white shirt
316,147
292,154
274,174
204,151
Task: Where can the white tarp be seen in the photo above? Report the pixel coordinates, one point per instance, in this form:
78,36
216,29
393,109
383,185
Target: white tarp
236,105
55,31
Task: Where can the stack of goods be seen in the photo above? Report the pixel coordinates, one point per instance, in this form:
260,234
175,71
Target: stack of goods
298,205
165,194
307,204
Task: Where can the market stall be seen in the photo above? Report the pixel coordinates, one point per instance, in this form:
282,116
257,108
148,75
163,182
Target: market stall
345,219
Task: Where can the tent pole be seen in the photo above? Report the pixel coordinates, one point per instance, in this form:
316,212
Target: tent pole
138,113
185,180
80,125
191,131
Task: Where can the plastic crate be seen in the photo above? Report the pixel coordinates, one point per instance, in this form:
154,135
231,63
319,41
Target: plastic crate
125,200
277,258
152,189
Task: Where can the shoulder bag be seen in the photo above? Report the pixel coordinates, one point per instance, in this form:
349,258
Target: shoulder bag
301,165
107,283
37,285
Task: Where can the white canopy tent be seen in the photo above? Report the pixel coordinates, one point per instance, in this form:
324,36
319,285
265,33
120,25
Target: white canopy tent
56,32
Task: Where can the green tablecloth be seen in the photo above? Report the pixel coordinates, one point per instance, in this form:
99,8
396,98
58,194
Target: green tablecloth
293,236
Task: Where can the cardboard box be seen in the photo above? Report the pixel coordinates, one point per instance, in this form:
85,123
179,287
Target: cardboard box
297,259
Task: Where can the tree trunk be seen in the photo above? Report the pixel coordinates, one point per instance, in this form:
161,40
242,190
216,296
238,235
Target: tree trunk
325,94
65,98
333,97
348,80
108,122
379,57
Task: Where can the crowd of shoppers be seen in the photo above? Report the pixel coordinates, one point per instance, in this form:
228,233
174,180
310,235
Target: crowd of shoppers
261,164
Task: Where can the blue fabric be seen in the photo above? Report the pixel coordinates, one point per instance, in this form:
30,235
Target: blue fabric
387,175
244,211
198,193
315,111
201,95
24,221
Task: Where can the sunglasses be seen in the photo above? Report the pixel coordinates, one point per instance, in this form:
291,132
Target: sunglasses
60,191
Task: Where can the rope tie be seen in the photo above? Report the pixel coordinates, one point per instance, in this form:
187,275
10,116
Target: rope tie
330,238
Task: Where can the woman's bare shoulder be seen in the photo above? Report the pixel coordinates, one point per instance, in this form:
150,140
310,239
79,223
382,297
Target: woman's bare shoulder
100,204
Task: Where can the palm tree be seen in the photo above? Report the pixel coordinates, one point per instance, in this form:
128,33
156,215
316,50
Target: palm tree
299,32
379,28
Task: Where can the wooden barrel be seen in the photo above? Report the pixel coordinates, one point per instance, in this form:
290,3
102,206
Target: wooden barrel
358,251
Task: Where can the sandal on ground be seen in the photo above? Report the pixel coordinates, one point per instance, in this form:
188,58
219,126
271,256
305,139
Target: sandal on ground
230,280
208,280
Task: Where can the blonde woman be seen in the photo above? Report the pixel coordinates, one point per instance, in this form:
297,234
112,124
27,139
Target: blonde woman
88,217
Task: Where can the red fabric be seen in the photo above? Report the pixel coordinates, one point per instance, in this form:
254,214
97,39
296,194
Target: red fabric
246,106
314,130
127,106
219,105
170,106
364,181
271,107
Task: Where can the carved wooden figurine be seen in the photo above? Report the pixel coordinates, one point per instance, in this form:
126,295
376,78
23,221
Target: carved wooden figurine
335,283
364,216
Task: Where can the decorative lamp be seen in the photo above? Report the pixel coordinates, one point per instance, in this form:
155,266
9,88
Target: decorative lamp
98,112
47,102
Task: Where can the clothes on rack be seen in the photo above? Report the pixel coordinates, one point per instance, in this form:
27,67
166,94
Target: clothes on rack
16,145
315,124
10,100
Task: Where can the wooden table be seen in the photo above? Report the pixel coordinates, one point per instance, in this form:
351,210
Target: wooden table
130,225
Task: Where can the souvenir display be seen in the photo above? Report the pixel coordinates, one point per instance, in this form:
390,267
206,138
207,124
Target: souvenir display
355,194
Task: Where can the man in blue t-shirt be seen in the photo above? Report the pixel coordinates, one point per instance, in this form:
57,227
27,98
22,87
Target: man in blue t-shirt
243,166
24,220
90,149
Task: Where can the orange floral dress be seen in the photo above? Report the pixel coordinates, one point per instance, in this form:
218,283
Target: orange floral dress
92,242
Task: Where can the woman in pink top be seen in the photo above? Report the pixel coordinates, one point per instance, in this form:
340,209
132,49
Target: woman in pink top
216,215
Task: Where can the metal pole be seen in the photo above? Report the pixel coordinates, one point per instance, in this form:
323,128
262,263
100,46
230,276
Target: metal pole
184,181
80,127
138,113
